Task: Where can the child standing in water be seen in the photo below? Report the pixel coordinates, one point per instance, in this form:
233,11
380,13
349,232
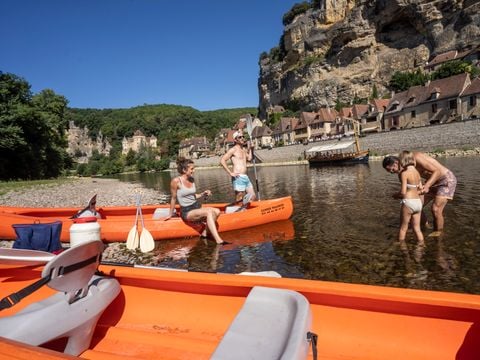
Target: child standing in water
411,189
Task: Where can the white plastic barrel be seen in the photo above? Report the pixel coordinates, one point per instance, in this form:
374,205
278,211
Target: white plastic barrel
84,229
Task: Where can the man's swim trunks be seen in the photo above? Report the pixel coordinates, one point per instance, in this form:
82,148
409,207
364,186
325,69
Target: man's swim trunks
445,186
241,182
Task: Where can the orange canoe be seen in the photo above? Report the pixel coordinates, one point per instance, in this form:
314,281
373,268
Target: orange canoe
116,222
161,314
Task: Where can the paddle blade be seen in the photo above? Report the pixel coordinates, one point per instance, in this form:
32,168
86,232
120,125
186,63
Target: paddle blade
132,238
24,257
249,126
147,243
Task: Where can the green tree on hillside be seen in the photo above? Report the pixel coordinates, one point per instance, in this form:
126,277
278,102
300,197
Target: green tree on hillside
455,67
402,81
32,144
296,9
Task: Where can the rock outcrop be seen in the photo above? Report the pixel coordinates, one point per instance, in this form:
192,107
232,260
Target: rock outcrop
81,146
340,50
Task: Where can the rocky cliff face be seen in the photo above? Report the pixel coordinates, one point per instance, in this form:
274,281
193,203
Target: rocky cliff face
341,50
81,146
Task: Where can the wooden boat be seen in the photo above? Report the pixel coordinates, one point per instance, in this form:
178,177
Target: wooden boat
161,314
116,222
341,152
338,153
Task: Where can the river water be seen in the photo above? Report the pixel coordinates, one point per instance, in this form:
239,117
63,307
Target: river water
344,228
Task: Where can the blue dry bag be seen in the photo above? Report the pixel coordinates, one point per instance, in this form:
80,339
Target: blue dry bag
44,237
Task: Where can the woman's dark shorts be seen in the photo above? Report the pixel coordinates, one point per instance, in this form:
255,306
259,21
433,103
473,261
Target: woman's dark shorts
184,210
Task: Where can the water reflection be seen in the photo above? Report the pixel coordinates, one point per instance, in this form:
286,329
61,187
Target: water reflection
345,229
249,250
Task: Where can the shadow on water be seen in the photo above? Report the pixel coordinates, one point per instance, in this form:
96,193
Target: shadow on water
345,228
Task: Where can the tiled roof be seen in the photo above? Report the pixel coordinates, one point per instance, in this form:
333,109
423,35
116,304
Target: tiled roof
380,104
230,135
441,58
345,112
193,141
259,131
448,87
284,125
473,88
326,115
358,110
305,119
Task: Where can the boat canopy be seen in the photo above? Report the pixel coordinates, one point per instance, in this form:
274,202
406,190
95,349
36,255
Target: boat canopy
331,147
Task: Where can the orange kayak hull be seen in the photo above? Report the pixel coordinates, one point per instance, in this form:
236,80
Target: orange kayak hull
116,222
162,314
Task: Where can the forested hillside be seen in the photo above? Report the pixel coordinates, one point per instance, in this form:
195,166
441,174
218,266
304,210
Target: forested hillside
33,126
169,123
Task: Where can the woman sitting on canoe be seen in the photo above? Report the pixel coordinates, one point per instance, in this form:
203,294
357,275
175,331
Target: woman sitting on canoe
183,189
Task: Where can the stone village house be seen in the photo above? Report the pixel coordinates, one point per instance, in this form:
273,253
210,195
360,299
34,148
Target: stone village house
438,101
262,137
284,131
194,148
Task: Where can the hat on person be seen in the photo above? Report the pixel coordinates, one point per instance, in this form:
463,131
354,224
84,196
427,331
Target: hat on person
237,134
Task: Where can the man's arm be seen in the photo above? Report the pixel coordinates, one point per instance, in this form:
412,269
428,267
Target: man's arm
223,161
432,166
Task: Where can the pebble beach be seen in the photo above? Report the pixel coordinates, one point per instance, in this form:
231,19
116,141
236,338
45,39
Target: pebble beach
76,193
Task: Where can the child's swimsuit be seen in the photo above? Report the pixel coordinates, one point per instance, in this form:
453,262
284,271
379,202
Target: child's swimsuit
414,205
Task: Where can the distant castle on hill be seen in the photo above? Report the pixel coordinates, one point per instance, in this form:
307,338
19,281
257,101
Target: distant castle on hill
136,142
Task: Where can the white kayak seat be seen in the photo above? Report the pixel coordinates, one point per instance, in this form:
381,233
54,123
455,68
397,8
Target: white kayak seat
72,312
160,213
233,209
272,324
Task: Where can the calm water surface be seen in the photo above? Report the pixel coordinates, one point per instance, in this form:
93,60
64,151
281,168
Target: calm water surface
344,228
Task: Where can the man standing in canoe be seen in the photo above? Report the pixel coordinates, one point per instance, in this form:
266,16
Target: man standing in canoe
440,183
239,156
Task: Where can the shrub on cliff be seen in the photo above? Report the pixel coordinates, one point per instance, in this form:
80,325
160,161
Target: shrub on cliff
297,9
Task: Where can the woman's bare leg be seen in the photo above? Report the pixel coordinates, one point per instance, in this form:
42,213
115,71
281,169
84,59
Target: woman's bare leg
211,214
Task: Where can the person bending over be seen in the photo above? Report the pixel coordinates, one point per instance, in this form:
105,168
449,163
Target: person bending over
440,183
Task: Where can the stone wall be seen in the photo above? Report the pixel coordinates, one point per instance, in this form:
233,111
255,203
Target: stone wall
456,135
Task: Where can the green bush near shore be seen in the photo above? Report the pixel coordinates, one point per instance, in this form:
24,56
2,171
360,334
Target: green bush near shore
6,186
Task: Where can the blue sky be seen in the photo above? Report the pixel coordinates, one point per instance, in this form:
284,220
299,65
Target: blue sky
124,53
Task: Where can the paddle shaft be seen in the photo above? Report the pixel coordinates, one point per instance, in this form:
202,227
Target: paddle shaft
255,172
250,131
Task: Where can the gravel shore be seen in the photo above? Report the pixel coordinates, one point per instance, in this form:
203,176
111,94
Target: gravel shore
77,193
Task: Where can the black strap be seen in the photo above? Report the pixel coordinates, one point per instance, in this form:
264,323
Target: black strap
63,270
14,298
313,338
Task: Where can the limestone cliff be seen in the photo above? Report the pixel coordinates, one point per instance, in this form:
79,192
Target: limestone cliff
339,50
81,146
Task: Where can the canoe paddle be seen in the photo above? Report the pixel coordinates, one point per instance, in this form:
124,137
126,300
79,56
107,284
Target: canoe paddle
132,238
250,131
147,243
24,257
